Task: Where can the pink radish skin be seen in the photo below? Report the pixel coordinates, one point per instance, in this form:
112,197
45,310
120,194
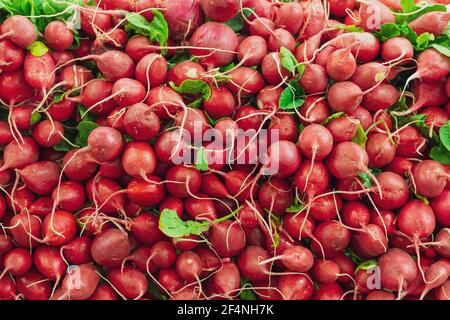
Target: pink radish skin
221,10
347,160
431,22
370,8
19,30
138,159
41,177
344,96
39,71
441,209
18,156
397,48
416,219
394,190
380,149
110,248
290,16
88,279
11,56
314,79
430,178
436,275
341,65
214,35
58,36
397,269
316,142
281,38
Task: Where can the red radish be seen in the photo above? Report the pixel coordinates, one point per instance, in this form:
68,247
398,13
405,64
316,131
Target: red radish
315,19
344,96
163,254
226,281
371,241
347,160
245,81
221,10
416,219
430,178
70,195
110,248
275,196
249,266
380,149
78,165
19,30
367,75
78,251
25,229
343,129
341,65
33,286
214,35
435,276
188,266
314,79
41,177
7,289
140,122
138,190
14,87
333,237
306,51
443,292
79,283
128,92
326,271
431,22
221,103
138,159
58,35
410,143
18,155
11,56
227,238
339,8
252,50
397,269
295,259
151,70
355,214
285,157
290,16
184,181
93,22
48,133
295,287
380,98
312,178
281,38
39,71
441,209
330,291
104,292
380,295
316,142
105,144
397,48
17,262
394,191
49,263
145,228
183,17
58,228
262,27
365,46
373,14
74,76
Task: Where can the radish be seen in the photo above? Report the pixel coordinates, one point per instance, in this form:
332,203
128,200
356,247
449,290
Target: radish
252,50
440,208
188,266
13,87
17,262
394,191
50,263
226,281
249,266
33,286
290,16
128,92
70,196
380,150
79,283
138,191
436,275
339,8
373,14
110,248
245,81
186,180
295,287
344,96
25,229
19,30
183,17
341,64
332,236
227,238
104,292
221,10
431,22
221,103
314,79
39,71
416,219
280,38
78,251
58,228
18,155
397,48
262,27
145,228
41,177
315,19
58,35
214,35
430,178
275,196
48,133
11,56
138,159
140,122
397,269
325,271
330,291
74,76
151,70
365,46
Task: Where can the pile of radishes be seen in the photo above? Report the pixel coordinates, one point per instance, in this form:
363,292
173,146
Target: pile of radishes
100,100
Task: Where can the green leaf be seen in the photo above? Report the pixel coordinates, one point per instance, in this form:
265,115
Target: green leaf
157,30
292,97
443,48
201,163
153,290
423,41
247,294
288,60
408,5
353,256
35,118
172,226
84,129
62,146
444,135
87,116
211,120
440,154
332,117
294,208
37,49
365,180
349,28
360,136
193,87
366,265
237,23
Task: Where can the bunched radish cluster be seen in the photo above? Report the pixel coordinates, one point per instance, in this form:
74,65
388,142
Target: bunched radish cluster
225,149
